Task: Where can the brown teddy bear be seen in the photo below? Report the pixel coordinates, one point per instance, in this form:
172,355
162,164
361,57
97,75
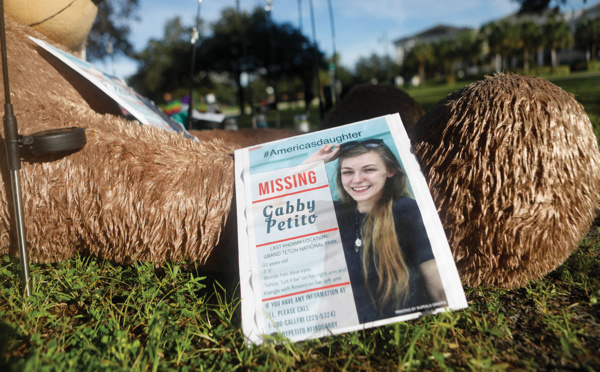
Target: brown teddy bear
133,192
511,161
366,101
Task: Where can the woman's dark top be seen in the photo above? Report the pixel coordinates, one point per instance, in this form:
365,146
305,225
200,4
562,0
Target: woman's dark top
416,249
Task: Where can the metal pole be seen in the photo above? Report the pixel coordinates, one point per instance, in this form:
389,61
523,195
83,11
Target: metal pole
11,140
195,38
15,180
334,79
316,62
111,52
269,9
300,15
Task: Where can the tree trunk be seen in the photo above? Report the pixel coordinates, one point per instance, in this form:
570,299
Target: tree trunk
540,57
308,94
422,73
238,80
498,62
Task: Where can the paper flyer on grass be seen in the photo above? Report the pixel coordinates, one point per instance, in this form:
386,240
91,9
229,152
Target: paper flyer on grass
138,106
338,232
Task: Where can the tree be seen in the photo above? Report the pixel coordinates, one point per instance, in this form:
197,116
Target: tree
446,52
470,46
224,51
375,69
531,35
111,25
587,37
252,43
503,40
557,34
538,6
164,65
421,55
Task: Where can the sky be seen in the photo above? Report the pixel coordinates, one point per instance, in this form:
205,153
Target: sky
361,27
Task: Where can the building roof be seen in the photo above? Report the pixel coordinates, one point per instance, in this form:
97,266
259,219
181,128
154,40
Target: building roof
433,33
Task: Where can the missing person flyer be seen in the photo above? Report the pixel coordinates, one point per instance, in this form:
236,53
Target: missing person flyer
138,106
338,232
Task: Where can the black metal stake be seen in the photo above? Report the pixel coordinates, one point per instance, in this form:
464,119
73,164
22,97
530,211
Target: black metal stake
195,38
316,61
11,140
334,94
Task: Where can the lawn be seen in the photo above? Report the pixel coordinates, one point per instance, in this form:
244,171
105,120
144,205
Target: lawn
583,85
88,314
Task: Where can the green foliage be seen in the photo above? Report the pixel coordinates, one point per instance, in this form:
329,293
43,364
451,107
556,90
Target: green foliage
587,36
584,86
377,69
470,46
238,43
253,43
111,25
419,57
557,35
547,71
164,65
539,6
593,65
88,314
532,38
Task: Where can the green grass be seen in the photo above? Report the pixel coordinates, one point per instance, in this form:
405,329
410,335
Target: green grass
87,314
583,85
428,96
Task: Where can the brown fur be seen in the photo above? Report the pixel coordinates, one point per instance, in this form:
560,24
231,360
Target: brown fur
368,101
132,193
514,169
244,137
512,163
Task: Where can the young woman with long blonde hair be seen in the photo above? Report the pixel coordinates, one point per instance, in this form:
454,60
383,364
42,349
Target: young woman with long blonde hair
388,254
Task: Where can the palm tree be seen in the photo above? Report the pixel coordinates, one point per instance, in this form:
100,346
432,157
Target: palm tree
470,47
557,35
421,54
587,37
531,35
503,40
375,69
446,51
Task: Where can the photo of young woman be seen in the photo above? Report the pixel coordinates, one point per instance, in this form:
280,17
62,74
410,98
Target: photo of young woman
389,257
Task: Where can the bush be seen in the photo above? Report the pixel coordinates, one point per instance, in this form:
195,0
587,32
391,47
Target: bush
579,66
593,65
562,70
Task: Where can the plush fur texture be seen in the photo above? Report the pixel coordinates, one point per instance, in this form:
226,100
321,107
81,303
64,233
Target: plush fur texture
245,137
514,169
367,101
512,163
132,193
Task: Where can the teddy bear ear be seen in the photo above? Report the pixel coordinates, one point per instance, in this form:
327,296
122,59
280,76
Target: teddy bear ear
65,22
366,101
